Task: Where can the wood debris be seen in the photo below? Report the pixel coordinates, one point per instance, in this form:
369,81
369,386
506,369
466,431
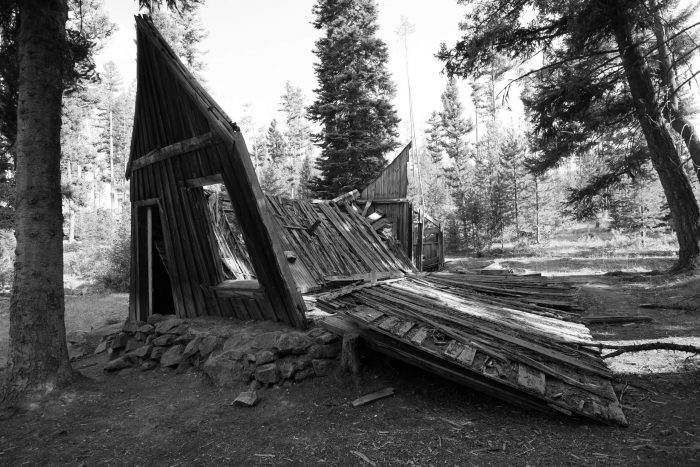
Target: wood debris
375,396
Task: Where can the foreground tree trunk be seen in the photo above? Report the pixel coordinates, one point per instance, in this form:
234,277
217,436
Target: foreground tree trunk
673,110
38,354
664,156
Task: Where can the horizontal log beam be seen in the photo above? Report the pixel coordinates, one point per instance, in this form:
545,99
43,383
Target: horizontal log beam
383,201
181,147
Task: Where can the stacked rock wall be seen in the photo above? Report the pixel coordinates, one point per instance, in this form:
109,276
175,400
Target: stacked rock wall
229,356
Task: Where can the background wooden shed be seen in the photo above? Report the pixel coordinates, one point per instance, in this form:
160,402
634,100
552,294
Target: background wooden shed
419,234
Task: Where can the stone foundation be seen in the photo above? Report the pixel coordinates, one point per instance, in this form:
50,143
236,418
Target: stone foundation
229,352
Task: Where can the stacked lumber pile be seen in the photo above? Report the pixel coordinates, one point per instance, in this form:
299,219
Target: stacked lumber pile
525,353
534,292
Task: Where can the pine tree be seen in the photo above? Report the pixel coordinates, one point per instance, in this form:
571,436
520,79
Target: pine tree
353,98
276,145
184,32
454,126
433,138
298,131
305,178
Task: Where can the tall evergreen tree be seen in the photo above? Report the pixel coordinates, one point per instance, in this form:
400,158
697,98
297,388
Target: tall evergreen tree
38,360
183,30
276,145
433,139
298,131
353,98
454,126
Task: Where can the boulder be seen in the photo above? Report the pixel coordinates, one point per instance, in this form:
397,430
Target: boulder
157,352
181,329
192,347
267,374
101,347
156,318
303,362
184,338
324,367
240,341
326,338
264,356
227,369
266,340
303,374
247,399
287,368
120,340
292,343
148,365
172,356
133,344
166,326
142,352
131,326
76,337
118,364
164,340
325,351
146,329
208,345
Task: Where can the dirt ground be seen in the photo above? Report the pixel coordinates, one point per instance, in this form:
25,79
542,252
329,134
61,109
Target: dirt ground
165,418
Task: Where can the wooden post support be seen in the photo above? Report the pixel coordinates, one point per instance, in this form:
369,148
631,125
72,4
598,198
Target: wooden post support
350,356
418,260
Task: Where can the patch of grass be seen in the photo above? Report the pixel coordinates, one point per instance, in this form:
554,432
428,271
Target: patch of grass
83,313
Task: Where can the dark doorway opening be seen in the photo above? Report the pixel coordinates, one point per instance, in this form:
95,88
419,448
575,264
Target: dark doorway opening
157,295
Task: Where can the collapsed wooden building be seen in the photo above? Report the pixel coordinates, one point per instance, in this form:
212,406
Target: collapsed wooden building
206,241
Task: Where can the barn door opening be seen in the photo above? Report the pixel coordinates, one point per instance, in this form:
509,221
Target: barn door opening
155,293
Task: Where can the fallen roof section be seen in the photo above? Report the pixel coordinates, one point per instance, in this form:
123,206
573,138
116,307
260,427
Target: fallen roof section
532,356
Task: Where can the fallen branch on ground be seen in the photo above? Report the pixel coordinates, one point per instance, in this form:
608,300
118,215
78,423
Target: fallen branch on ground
642,347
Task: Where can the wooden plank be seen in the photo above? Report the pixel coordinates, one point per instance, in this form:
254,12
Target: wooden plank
368,398
145,202
177,149
454,349
366,313
467,355
404,328
420,336
531,379
389,323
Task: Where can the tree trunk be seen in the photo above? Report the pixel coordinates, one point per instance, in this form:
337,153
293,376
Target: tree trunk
537,210
673,110
664,156
38,354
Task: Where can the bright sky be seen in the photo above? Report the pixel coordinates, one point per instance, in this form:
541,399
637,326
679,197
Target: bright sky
253,48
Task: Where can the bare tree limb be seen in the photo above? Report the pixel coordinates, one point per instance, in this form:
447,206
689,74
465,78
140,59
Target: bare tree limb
642,347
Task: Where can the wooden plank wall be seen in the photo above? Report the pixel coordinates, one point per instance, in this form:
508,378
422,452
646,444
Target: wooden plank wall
401,215
172,107
392,183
